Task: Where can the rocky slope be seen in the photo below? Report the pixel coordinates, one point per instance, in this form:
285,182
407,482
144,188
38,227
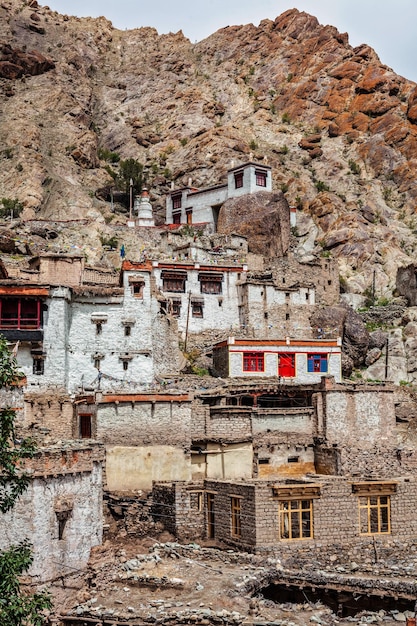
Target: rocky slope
337,126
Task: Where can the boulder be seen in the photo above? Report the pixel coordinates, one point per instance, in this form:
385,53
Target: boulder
262,217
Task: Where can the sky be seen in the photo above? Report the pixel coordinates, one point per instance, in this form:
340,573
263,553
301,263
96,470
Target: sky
387,26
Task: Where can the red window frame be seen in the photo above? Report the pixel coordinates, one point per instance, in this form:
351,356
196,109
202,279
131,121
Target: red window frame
260,178
189,216
20,314
238,180
253,362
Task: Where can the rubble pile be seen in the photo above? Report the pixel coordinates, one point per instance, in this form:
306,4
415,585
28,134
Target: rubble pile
171,584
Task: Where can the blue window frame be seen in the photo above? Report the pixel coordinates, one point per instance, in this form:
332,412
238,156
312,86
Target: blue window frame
317,363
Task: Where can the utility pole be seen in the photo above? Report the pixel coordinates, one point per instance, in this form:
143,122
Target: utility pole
188,319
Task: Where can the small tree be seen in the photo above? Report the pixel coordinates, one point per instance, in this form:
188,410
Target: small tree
129,174
16,607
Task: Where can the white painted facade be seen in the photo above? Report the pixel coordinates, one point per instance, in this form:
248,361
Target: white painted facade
193,307
306,361
101,340
194,206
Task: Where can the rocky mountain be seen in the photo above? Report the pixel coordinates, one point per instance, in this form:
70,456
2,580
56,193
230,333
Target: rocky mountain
338,127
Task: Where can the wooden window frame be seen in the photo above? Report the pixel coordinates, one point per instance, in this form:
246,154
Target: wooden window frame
238,180
210,283
177,201
81,420
255,358
371,509
295,519
176,218
261,178
189,216
317,363
197,309
21,321
236,516
137,289
173,283
38,366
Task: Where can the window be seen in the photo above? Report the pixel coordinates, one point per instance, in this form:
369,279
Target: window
125,366
260,178
99,329
189,215
85,426
62,517
286,365
128,331
175,308
174,281
197,309
235,505
20,313
210,283
296,519
238,180
176,218
317,363
374,515
253,361
137,289
177,201
38,366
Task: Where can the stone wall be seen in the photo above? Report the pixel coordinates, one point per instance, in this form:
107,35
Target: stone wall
335,514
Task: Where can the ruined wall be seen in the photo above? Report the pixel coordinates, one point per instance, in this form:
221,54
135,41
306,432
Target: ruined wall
269,311
180,508
66,483
61,270
49,414
322,273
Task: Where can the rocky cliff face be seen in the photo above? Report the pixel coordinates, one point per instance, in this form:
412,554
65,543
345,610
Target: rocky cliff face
338,128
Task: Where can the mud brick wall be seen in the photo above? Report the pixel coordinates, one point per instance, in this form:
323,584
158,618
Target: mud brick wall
144,423
229,423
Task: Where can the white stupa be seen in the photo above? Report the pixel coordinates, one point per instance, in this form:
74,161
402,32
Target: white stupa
144,209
